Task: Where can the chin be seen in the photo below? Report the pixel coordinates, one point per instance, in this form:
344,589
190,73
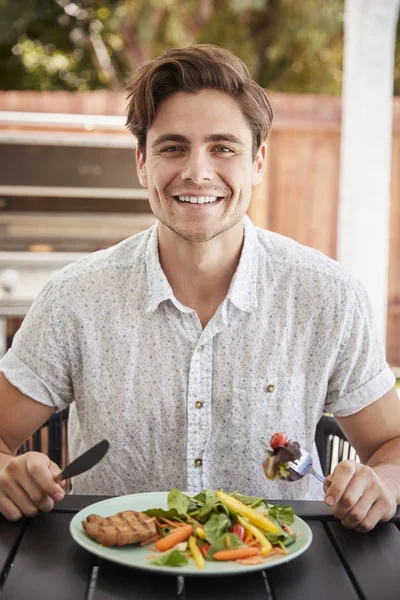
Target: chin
194,237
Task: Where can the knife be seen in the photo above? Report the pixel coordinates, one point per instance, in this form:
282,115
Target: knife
84,462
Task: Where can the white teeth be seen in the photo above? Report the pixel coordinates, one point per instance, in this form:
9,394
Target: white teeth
198,199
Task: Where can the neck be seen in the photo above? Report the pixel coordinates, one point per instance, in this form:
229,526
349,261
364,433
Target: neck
200,273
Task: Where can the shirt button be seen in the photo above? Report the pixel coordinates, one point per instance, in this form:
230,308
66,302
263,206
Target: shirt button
200,348
198,462
270,388
198,404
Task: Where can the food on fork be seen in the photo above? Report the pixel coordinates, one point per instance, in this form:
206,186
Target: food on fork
281,453
127,527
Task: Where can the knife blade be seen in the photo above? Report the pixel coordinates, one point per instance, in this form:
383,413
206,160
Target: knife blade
84,462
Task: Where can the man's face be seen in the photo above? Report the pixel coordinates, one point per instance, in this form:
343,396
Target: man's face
199,168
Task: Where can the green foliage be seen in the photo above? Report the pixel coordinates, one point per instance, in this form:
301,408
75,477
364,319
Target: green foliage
90,44
170,559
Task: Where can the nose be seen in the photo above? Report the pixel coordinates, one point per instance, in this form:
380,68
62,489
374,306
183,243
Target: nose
197,168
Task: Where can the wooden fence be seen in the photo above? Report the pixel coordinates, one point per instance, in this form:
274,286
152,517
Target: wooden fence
299,194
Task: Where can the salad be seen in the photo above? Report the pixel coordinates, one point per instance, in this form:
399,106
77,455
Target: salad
216,526
281,453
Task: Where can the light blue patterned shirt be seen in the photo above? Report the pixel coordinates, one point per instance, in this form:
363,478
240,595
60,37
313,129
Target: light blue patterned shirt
188,407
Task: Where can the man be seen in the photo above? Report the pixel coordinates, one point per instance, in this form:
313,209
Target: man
189,344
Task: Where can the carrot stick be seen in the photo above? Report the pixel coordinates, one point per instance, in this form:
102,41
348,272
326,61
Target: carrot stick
287,529
254,543
276,550
235,553
171,523
227,542
180,534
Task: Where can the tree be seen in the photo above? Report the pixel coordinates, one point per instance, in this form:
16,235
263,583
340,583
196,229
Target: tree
90,44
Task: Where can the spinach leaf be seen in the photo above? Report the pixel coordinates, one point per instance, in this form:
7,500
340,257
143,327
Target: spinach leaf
283,539
220,544
284,514
207,502
210,503
170,559
178,501
290,540
172,514
215,526
252,501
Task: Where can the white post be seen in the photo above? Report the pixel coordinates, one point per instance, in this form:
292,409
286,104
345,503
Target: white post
367,97
3,335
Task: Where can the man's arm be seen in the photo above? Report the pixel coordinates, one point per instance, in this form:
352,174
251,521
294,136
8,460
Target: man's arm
363,494
27,481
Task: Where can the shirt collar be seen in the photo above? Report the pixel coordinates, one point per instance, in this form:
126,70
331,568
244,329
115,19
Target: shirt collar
157,284
242,291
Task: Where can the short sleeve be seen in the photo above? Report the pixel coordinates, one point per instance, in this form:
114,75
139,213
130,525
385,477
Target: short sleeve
361,374
37,363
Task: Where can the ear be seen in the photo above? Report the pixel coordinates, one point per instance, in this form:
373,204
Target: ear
259,164
141,167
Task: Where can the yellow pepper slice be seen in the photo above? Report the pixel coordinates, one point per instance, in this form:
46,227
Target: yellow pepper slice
262,522
200,533
197,555
266,545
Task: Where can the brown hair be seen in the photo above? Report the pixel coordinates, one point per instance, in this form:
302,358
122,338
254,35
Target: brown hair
191,69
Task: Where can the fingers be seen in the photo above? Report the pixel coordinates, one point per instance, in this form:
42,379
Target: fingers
27,486
378,512
9,509
39,467
359,510
327,482
339,481
21,500
358,496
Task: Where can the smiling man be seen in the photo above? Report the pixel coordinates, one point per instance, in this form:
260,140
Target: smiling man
191,343
200,182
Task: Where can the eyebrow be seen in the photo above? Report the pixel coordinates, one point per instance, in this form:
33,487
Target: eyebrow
214,137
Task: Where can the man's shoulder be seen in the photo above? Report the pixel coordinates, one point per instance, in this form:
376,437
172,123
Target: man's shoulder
127,254
301,260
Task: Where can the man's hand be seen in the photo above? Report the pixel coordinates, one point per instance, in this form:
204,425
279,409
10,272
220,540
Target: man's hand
27,486
359,496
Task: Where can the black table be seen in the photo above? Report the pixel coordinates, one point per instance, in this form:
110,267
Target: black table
39,560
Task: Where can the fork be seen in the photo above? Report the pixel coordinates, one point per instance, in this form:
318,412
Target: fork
303,466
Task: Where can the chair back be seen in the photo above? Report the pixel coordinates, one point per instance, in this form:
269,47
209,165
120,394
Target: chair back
332,444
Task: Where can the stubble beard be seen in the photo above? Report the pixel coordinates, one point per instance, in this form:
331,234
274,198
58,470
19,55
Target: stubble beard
201,236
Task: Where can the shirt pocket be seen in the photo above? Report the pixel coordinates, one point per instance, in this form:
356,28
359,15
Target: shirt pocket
263,406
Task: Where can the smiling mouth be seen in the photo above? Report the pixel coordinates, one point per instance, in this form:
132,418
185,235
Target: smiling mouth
198,199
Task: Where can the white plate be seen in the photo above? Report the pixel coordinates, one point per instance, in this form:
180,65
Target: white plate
135,556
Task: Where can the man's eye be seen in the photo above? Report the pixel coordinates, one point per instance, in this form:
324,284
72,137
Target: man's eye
223,150
171,149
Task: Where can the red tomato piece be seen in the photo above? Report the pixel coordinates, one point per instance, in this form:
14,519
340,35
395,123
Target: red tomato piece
279,439
204,549
239,530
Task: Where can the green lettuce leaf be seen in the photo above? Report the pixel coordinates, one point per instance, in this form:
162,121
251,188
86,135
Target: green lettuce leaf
179,501
173,514
252,501
208,503
215,526
170,559
284,514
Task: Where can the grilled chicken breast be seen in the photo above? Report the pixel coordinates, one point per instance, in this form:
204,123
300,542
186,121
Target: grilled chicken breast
127,527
